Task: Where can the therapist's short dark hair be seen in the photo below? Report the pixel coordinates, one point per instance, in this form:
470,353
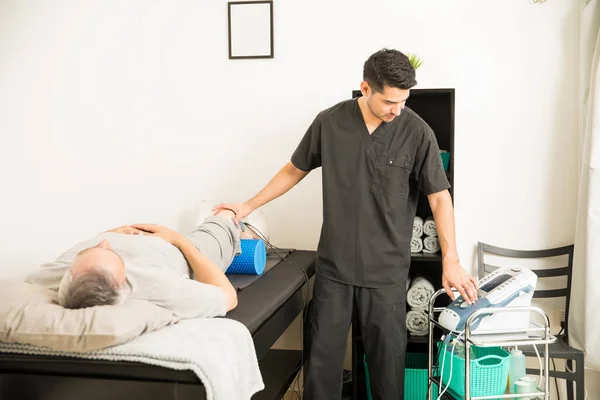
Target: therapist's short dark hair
389,68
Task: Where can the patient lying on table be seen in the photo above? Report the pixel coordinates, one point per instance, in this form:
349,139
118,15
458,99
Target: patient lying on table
183,273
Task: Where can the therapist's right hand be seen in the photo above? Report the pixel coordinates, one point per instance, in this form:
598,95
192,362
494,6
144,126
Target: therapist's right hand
241,210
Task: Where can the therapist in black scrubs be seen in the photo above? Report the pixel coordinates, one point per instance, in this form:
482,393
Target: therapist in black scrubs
375,156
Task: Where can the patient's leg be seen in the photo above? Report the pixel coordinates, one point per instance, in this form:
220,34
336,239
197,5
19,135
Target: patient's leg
218,238
243,230
204,210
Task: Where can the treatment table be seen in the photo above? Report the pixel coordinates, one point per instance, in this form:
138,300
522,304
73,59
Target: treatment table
267,308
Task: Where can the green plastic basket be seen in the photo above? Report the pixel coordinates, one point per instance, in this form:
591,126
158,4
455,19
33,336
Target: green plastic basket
489,370
415,377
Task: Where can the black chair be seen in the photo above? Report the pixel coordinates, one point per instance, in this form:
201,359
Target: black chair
560,349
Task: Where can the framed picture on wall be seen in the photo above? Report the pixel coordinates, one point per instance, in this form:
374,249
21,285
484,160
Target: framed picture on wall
250,27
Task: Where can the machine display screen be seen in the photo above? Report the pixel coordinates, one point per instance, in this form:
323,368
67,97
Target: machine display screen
494,283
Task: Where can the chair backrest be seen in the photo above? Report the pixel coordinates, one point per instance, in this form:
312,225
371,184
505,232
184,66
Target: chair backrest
484,268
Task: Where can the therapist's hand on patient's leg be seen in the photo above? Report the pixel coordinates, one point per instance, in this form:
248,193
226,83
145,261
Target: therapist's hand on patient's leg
163,232
241,210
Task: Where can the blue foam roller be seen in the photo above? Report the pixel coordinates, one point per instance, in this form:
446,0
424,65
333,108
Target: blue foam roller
252,259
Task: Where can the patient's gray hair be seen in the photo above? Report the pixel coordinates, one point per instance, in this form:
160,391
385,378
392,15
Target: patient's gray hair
95,287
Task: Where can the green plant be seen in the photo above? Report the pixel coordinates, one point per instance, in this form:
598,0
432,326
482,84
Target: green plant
415,60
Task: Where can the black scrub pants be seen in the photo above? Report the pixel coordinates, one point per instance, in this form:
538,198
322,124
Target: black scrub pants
382,315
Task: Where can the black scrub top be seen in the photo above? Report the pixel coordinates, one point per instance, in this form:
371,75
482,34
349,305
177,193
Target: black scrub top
371,184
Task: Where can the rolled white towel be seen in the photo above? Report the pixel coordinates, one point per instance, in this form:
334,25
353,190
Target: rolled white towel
417,322
431,244
429,227
417,227
419,293
416,245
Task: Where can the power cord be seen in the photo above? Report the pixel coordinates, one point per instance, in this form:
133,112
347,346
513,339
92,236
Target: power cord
540,361
445,349
278,251
537,353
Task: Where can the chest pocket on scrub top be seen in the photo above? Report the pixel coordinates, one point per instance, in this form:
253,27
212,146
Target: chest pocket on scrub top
392,175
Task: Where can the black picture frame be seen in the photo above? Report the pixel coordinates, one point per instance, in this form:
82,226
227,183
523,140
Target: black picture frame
235,52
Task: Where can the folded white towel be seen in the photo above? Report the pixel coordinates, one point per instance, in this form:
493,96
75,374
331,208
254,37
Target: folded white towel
417,322
416,245
431,244
429,227
419,293
417,227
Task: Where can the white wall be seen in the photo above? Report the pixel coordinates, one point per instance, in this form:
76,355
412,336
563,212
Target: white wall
115,112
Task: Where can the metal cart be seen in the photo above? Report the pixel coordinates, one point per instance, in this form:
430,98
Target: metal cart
534,335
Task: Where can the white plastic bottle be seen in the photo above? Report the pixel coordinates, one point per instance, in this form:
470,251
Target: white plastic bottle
517,368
